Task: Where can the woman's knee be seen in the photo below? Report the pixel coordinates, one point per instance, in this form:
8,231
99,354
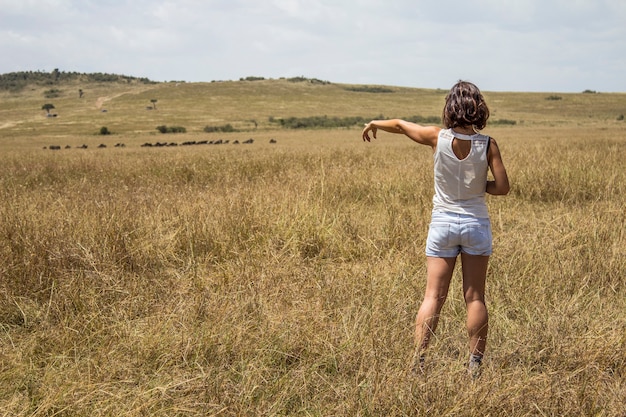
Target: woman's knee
474,297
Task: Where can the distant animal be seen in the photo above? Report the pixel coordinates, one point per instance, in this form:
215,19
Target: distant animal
248,141
272,140
68,147
55,147
236,142
120,145
146,145
102,145
82,146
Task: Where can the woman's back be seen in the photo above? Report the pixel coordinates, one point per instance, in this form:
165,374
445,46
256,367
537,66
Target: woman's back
460,177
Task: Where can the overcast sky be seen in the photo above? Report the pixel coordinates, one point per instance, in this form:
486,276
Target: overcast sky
501,45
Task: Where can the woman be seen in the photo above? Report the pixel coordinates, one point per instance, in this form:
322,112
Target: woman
460,221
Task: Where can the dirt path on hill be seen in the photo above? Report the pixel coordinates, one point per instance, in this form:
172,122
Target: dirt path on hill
101,100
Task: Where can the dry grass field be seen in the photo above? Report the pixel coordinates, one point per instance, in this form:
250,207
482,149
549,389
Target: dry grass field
283,279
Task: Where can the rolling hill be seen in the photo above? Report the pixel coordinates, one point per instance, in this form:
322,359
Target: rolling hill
133,107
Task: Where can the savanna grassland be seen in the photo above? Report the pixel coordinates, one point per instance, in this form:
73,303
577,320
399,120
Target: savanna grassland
283,278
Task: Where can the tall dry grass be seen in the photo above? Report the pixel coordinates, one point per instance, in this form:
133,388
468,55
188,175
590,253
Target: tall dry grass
284,280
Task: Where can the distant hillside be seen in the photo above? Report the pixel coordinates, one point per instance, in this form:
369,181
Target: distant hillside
16,81
126,106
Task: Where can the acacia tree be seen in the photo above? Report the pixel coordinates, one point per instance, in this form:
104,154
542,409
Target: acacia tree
47,107
153,101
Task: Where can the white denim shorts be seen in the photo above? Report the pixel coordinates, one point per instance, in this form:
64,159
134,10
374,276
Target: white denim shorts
450,234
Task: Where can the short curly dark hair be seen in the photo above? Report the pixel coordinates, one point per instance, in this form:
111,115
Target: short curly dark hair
465,106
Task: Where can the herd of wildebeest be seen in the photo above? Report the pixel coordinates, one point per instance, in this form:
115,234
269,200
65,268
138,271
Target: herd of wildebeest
166,144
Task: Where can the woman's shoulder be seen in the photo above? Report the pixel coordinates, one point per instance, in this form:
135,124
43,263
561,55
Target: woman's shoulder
445,133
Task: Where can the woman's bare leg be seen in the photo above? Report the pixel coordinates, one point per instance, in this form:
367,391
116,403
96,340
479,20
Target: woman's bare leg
474,277
438,276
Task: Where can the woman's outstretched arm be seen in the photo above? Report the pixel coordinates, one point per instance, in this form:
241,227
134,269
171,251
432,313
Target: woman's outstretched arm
425,135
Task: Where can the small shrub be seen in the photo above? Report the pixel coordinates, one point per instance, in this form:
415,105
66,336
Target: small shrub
302,79
297,79
225,128
105,130
317,81
171,129
620,117
589,92
554,97
52,93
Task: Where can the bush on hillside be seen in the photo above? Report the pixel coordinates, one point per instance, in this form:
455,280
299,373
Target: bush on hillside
369,89
325,122
16,81
501,122
302,79
171,129
317,122
52,93
225,128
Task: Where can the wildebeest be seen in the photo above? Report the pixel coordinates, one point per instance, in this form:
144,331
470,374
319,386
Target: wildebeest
55,147
248,141
272,140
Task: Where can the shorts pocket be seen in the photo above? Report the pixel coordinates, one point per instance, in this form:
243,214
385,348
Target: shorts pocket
438,236
479,239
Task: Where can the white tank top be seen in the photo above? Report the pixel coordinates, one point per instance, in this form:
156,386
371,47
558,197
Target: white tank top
460,183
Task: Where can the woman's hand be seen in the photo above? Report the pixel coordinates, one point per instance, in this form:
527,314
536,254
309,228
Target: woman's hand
369,127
